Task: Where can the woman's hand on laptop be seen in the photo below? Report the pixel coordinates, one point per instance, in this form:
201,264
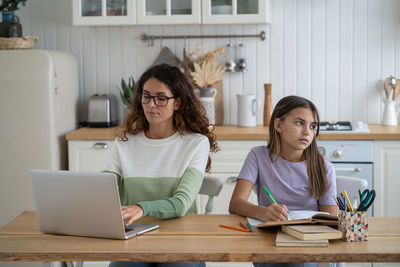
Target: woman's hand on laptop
131,213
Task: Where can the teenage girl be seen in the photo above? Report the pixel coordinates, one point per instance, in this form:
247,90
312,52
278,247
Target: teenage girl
290,166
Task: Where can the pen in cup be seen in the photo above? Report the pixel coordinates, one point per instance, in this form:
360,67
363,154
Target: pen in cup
270,196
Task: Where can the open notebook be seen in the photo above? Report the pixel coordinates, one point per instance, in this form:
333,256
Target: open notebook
299,217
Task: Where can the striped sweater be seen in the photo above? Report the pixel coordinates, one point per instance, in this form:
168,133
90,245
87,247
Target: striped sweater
163,176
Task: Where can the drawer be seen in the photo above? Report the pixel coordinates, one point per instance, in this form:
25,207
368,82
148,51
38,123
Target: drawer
89,155
231,157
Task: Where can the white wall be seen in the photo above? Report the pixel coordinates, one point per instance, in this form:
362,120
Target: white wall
334,52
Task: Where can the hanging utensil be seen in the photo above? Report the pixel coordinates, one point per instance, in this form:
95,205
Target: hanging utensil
388,87
396,90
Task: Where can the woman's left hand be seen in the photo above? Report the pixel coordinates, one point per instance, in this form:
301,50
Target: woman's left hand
131,213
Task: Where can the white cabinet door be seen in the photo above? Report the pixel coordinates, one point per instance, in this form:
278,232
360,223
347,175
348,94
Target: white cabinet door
387,178
168,12
104,12
226,165
235,11
89,155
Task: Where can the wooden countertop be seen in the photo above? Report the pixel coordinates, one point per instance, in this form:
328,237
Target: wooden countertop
228,132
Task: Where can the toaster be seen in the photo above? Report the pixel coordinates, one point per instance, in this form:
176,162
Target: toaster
102,110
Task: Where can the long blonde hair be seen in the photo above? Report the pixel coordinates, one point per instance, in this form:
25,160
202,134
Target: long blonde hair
316,170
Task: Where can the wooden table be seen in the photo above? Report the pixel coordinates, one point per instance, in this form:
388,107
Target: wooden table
193,238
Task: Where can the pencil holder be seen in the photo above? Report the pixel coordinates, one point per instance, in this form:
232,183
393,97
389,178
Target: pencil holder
354,225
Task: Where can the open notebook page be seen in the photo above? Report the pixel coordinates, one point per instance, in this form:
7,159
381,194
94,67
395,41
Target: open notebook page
293,215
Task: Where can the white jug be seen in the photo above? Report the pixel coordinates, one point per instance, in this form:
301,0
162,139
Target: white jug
248,106
390,113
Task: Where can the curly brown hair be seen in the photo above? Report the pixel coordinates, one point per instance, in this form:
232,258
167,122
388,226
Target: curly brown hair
189,118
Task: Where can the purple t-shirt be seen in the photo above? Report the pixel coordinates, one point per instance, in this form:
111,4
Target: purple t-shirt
287,181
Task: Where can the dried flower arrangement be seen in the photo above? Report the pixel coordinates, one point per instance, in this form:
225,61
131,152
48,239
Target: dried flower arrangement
203,69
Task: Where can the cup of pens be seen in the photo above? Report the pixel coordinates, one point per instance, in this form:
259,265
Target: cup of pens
353,225
353,222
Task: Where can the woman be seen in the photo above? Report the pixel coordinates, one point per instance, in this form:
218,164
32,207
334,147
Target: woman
163,152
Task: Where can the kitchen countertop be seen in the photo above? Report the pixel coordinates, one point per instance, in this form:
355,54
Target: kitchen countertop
232,132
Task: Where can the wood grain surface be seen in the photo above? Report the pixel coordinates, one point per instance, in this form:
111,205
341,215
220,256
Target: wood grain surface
193,238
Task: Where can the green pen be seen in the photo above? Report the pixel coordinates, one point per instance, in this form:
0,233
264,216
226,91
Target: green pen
270,196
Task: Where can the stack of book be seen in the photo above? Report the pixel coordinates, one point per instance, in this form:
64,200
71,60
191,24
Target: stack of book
303,228
306,235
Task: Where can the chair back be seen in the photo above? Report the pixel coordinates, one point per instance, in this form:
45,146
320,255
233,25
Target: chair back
351,185
211,187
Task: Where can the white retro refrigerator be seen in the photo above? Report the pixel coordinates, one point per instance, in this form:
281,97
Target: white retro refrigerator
38,105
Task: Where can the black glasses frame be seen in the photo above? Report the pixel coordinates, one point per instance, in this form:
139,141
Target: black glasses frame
154,99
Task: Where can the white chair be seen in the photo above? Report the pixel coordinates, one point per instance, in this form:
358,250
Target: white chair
351,185
211,187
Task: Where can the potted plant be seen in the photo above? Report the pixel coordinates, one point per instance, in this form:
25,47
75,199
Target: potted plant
127,91
7,8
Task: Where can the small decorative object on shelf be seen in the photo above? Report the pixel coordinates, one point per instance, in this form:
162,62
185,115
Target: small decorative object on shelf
7,8
206,74
26,42
390,112
13,30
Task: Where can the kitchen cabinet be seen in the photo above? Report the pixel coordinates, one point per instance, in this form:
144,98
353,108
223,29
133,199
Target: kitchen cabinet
168,12
89,155
235,11
161,12
387,178
103,12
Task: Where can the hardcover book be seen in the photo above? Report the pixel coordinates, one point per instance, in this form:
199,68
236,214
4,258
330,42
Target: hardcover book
312,231
285,240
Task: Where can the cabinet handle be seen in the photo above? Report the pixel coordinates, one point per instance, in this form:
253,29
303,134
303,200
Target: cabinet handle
349,169
231,179
100,146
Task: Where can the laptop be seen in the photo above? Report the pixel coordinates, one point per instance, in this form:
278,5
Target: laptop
81,204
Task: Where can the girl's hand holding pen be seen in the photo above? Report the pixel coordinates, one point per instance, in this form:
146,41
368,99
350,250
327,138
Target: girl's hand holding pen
276,212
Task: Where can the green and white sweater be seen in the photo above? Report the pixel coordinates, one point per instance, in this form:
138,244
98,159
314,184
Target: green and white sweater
163,176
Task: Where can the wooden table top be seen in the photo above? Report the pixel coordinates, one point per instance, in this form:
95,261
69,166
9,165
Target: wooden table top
230,132
193,238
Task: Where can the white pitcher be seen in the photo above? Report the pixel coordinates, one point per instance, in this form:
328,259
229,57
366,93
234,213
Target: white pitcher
390,113
248,106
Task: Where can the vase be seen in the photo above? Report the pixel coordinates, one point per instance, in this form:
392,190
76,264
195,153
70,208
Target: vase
390,113
6,23
207,99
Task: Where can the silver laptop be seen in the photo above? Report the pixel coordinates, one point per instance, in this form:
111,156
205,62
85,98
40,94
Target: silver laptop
82,204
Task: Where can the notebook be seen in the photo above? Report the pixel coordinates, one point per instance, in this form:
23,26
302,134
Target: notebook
299,217
312,231
285,240
81,204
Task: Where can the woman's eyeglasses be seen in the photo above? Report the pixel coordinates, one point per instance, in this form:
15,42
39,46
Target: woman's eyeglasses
159,100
